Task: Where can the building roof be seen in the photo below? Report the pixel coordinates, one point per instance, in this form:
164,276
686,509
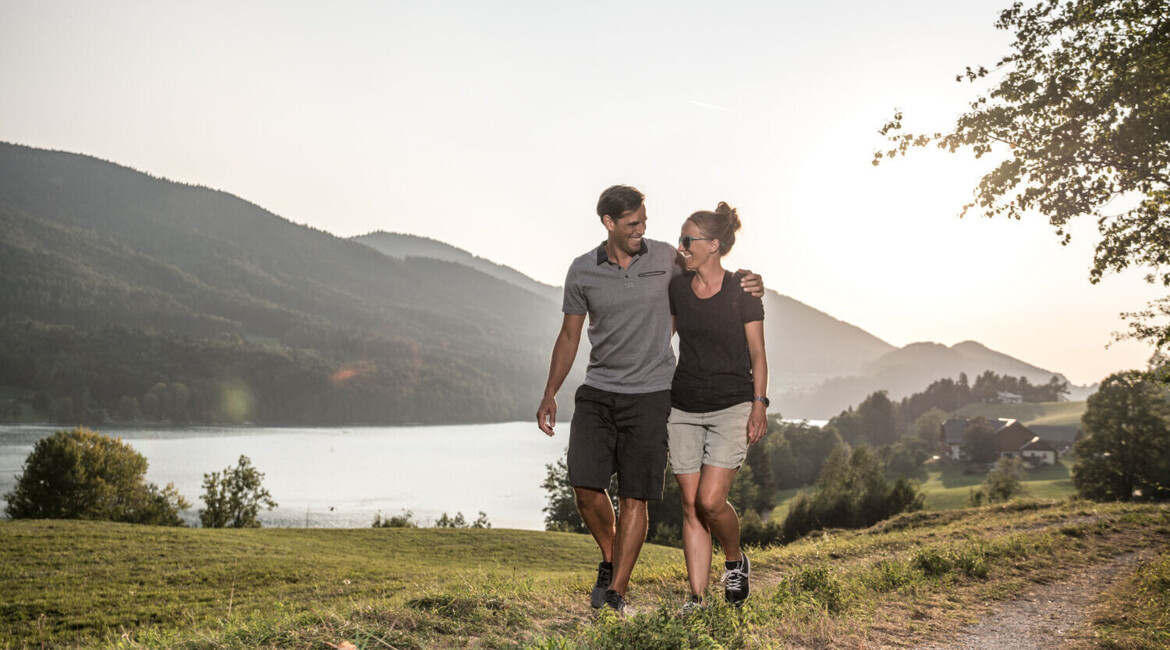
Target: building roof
1038,444
1013,437
955,428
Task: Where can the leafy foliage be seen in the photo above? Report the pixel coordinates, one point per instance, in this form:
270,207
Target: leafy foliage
979,443
1080,112
81,474
234,497
1004,482
852,492
404,520
1125,452
458,521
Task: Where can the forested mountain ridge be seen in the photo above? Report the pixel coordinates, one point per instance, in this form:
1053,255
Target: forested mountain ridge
88,246
907,370
404,246
128,296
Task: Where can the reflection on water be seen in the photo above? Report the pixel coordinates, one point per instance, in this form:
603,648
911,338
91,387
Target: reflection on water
341,477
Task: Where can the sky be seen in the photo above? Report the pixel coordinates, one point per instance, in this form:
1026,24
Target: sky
493,126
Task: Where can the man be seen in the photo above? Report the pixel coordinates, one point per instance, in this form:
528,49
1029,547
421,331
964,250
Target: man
619,420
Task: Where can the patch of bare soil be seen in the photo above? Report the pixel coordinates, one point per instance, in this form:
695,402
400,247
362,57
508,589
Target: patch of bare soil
1043,617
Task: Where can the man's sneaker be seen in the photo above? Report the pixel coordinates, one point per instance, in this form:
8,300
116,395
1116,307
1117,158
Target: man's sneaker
604,576
617,603
692,605
735,581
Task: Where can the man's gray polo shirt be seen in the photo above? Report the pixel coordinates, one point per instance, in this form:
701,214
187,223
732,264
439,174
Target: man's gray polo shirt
629,317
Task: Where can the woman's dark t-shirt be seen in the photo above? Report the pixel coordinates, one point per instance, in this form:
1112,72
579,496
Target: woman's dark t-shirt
714,367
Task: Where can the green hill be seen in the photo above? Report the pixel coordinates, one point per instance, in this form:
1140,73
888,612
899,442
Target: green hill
910,581
1053,414
113,281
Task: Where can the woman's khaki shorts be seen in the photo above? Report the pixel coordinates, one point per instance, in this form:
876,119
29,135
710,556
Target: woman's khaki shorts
718,438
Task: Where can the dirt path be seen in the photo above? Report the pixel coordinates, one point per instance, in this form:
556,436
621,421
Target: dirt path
1042,617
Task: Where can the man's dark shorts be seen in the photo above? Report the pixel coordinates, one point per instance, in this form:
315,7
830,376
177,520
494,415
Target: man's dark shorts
623,433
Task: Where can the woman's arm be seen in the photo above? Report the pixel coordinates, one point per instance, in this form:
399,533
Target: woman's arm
758,421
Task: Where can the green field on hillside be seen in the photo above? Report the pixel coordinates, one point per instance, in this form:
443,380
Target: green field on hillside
911,580
947,485
1055,414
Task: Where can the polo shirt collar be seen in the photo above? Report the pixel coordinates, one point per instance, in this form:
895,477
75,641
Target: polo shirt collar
603,257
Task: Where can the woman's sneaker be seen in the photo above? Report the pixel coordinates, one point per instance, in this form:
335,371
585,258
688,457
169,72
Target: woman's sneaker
604,577
735,581
692,605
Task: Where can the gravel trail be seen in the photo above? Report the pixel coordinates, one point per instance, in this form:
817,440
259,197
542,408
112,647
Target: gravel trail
1042,617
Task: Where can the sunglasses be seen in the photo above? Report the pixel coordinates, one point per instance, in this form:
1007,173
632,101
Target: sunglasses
685,241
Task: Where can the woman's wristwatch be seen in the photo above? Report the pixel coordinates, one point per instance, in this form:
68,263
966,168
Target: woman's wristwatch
762,398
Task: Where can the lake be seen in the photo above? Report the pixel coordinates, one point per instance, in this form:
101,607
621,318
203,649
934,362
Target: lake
343,476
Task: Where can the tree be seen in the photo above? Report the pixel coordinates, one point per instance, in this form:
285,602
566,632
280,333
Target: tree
1003,483
979,443
1125,452
560,513
1081,112
234,497
852,492
404,520
928,427
81,474
878,419
459,521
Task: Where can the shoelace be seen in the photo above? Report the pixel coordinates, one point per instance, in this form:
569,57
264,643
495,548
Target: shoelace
733,579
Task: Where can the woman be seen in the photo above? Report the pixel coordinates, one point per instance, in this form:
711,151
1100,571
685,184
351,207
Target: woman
718,397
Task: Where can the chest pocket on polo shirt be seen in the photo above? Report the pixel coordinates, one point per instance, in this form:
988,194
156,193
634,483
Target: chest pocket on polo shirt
650,273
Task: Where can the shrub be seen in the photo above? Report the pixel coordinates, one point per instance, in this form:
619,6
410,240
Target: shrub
81,474
404,520
818,585
852,492
234,497
458,521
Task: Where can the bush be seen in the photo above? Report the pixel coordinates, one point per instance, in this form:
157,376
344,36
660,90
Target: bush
81,474
234,497
1003,483
852,492
458,521
404,520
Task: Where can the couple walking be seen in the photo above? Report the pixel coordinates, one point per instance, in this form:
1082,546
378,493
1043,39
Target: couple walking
635,404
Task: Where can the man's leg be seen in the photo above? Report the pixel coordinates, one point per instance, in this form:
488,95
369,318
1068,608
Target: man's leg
641,467
592,439
632,526
597,513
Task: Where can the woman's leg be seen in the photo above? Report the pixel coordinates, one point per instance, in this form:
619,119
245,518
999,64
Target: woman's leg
713,485
695,535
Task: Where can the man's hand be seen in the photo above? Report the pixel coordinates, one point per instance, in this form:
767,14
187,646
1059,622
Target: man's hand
546,415
752,283
757,423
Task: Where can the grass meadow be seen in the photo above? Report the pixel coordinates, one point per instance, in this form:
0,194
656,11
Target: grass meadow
912,580
948,485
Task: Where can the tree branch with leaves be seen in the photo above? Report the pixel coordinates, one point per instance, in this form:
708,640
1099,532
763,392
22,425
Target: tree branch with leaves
1081,114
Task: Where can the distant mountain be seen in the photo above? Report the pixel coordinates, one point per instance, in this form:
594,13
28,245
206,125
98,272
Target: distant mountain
908,370
145,281
125,295
807,347
402,246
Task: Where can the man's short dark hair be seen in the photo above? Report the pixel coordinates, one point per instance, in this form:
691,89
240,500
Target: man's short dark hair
618,200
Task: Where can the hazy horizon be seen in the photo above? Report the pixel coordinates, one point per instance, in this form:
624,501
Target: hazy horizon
494,130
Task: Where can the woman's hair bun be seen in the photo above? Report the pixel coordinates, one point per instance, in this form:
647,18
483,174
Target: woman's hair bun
729,213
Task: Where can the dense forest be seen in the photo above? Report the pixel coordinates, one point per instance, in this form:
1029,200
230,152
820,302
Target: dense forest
118,290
